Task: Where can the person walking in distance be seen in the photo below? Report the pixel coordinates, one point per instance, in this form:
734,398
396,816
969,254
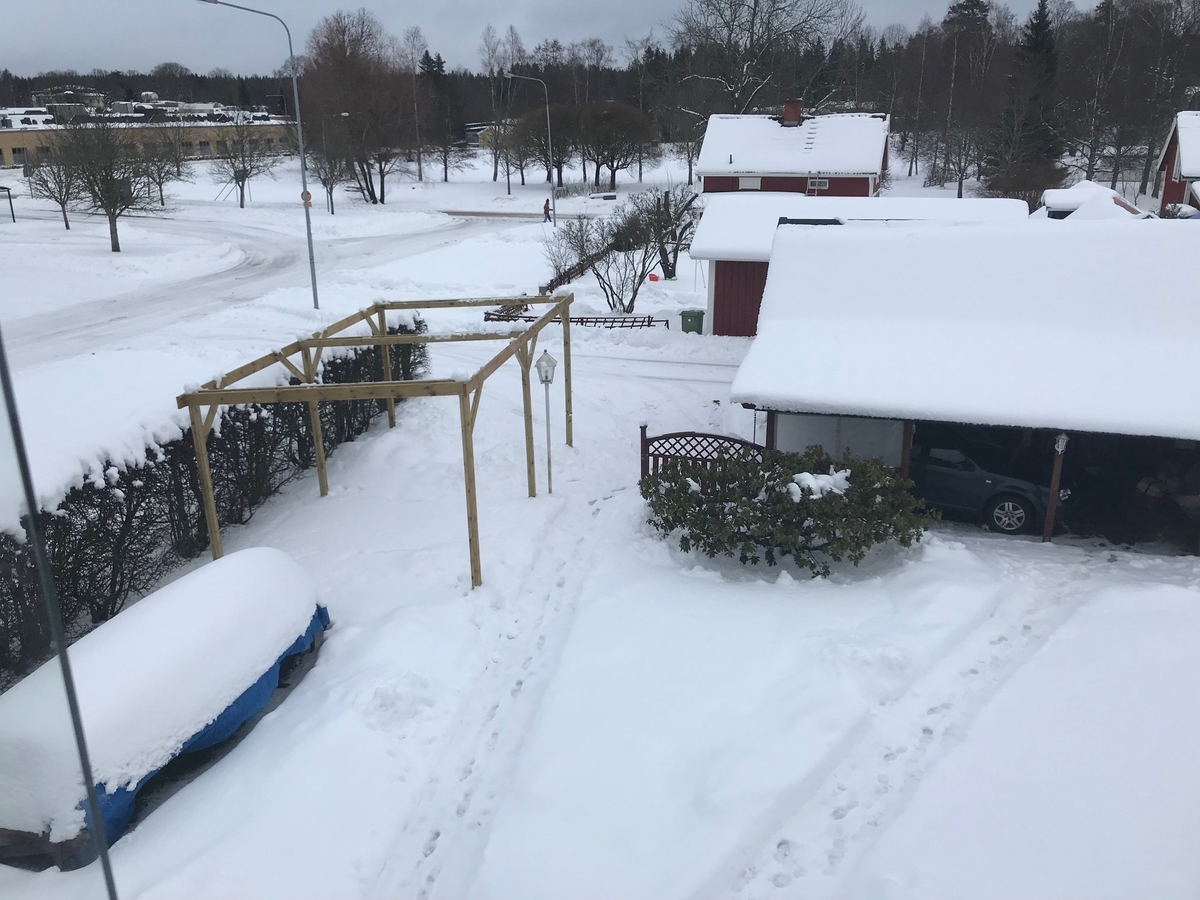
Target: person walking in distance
546,211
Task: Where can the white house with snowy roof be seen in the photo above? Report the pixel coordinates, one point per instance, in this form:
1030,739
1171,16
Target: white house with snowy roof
836,155
737,230
1179,163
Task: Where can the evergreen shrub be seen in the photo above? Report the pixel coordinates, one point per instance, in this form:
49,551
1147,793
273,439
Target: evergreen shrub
809,506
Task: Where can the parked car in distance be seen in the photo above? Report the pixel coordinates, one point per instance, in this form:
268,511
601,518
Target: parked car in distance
959,470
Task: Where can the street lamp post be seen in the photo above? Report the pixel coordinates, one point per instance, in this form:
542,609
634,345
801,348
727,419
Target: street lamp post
305,196
549,151
545,370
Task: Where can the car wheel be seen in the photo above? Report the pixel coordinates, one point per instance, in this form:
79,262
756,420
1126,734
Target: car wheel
1008,514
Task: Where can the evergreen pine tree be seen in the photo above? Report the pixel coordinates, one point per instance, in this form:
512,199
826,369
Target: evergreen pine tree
1026,152
432,65
1037,66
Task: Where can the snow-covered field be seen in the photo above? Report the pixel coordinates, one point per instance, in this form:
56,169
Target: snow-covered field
606,717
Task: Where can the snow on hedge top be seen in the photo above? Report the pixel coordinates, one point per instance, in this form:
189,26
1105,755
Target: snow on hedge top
148,680
1038,325
841,144
741,226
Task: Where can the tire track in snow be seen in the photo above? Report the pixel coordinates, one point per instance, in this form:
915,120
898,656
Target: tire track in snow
440,846
817,836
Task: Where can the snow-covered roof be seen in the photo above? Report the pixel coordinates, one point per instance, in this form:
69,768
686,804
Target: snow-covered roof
1088,200
839,144
1071,198
1187,127
23,117
741,226
1036,325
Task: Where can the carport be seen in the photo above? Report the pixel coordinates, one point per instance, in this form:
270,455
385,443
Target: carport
1023,332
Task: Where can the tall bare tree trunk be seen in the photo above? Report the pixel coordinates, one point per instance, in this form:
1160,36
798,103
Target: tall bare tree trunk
112,233
950,110
912,160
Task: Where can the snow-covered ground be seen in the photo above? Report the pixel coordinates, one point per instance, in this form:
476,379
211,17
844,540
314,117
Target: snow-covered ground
208,286
607,717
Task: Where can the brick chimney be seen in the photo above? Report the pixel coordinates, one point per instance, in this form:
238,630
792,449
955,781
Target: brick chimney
793,112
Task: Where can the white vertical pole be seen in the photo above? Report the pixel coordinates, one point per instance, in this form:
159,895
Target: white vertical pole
549,470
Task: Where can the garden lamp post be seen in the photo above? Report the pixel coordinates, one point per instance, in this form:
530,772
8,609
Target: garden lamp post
549,156
305,196
545,370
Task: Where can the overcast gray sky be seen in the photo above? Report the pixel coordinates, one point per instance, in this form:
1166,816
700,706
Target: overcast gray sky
40,35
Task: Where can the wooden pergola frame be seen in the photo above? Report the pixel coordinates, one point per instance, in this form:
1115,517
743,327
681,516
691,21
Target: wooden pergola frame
301,359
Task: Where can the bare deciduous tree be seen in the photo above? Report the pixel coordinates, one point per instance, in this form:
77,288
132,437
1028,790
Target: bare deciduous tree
745,39
110,167
619,249
53,177
490,58
162,163
244,156
670,217
615,135
412,48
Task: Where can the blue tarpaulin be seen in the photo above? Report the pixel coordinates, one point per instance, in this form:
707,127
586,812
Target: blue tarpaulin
116,805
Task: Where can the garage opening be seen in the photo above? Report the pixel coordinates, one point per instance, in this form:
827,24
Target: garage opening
1125,489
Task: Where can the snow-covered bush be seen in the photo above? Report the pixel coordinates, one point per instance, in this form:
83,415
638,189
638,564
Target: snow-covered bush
118,534
809,506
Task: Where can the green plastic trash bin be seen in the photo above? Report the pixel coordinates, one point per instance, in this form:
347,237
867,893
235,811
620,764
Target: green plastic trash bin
693,321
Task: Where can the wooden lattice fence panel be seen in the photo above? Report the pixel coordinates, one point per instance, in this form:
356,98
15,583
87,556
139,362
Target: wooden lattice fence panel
702,456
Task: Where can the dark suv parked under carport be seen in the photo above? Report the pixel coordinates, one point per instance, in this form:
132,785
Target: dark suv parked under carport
958,469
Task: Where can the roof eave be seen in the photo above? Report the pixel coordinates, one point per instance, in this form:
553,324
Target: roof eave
874,174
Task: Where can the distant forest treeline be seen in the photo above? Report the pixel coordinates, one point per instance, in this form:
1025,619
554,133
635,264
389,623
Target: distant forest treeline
977,95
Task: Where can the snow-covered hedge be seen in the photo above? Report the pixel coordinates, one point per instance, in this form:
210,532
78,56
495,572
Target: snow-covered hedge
809,506
117,536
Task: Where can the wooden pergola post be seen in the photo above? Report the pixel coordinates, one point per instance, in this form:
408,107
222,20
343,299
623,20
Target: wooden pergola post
525,360
385,351
200,430
564,314
304,389
314,418
1060,448
467,411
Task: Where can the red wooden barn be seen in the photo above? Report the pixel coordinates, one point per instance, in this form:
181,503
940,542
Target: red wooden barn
1179,163
737,230
839,155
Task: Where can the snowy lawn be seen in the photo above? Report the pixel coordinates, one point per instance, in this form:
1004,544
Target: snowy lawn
47,269
1078,780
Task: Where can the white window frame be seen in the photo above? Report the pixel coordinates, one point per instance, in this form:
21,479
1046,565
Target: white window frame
818,184
750,183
